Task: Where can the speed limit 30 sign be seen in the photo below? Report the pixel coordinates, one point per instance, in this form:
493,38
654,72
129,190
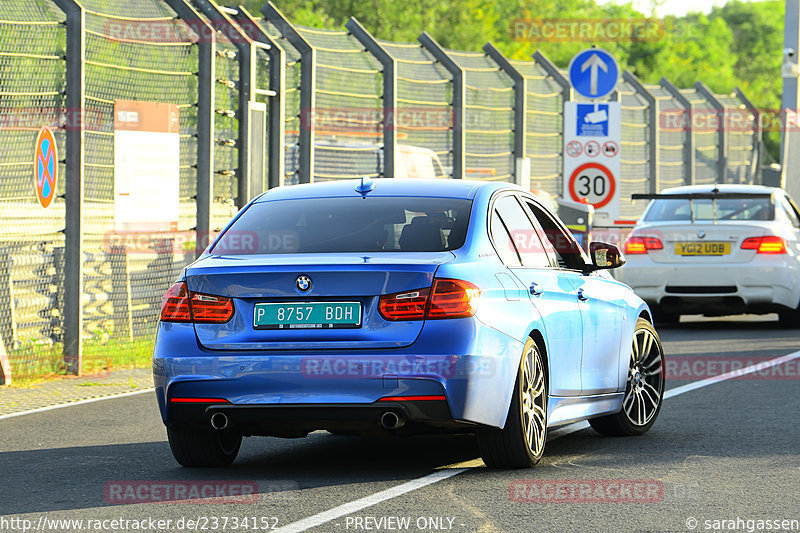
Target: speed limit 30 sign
594,183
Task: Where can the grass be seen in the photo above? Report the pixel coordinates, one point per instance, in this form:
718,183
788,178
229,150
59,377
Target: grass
34,362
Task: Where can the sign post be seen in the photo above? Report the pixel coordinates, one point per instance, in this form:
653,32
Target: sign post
592,136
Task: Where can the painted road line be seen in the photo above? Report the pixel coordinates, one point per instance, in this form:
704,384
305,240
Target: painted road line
732,374
79,402
352,507
368,501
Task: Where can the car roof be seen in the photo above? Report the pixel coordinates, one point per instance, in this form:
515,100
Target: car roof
445,188
722,187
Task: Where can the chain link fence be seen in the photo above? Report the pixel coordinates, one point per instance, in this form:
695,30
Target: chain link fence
348,102
544,139
32,84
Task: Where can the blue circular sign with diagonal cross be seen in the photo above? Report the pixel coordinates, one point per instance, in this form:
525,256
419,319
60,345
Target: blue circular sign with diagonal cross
593,73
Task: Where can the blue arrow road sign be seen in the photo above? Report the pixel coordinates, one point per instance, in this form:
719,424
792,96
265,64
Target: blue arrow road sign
593,73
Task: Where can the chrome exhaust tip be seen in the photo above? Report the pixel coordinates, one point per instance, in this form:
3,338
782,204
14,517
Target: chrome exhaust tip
219,421
391,420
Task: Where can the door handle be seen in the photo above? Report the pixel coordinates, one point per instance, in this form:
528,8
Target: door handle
535,289
582,295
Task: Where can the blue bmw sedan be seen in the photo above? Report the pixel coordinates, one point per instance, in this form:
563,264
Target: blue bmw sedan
396,307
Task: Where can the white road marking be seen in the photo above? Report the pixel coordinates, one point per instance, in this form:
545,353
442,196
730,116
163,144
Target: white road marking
79,402
368,501
352,507
732,374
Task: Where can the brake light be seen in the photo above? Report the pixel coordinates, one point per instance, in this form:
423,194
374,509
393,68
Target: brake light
453,298
642,245
768,244
180,305
208,309
175,304
407,305
449,298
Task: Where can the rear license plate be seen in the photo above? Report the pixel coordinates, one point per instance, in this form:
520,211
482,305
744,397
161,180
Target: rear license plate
307,315
702,248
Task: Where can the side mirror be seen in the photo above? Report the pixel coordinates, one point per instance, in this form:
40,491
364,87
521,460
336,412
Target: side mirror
605,256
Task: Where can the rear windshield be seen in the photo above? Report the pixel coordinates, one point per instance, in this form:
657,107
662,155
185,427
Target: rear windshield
726,209
330,225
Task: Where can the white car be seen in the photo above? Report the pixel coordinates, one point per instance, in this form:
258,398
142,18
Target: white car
717,250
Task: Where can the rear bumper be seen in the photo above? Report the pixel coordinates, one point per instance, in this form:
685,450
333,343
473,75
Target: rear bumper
296,420
762,285
473,371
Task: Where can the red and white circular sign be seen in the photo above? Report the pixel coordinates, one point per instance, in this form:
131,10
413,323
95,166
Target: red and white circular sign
594,182
592,148
610,149
574,148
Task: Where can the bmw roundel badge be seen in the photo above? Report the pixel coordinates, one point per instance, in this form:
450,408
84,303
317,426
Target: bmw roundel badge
303,283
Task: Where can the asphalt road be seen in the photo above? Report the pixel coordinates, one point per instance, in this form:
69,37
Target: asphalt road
720,457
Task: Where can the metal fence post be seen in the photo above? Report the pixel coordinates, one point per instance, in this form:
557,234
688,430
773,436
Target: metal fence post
566,94
553,71
218,17
307,88
389,93
652,117
277,84
755,174
459,101
205,119
722,163
520,104
688,147
73,221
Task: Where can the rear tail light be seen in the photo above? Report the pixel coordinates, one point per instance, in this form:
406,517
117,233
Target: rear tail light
449,298
175,304
453,298
768,244
208,309
180,305
408,305
642,245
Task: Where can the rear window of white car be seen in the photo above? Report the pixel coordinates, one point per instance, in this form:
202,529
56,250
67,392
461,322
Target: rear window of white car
348,224
726,209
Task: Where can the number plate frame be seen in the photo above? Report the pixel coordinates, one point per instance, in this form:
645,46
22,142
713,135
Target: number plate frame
680,249
305,324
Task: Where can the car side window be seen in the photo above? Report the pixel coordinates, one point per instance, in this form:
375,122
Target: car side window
568,253
502,241
791,214
529,246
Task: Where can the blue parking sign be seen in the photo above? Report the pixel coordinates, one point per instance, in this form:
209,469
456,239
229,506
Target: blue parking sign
593,73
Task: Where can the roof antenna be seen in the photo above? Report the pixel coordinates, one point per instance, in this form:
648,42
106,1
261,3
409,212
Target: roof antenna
366,185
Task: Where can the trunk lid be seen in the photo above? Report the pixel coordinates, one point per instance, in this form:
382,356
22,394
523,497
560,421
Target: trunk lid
702,243
338,281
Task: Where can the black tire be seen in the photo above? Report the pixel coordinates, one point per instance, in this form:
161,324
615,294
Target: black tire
203,447
645,386
789,319
665,318
520,444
